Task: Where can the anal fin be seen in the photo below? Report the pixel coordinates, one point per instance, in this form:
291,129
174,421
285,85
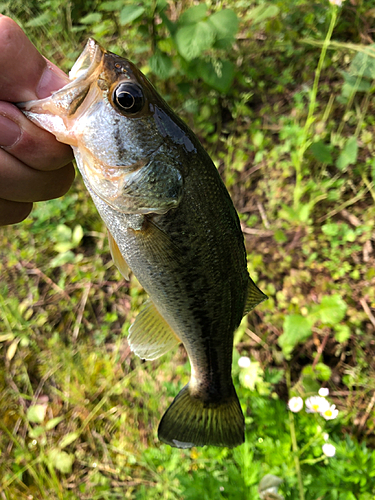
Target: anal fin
254,296
150,336
117,257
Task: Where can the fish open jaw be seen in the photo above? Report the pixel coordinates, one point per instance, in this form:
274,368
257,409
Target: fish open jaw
87,62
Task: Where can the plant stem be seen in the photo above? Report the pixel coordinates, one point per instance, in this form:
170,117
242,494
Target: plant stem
310,115
314,93
312,461
294,442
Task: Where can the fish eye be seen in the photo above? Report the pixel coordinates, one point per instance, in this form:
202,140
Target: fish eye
129,97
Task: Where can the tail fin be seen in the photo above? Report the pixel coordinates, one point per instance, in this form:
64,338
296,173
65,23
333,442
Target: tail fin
193,422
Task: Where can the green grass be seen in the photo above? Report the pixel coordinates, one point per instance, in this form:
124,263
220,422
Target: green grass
79,412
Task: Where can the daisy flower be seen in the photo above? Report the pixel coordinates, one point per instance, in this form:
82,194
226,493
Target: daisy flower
323,391
244,362
329,450
316,404
330,413
295,404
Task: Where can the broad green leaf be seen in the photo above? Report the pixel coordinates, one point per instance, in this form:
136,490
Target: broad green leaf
63,233
36,413
297,329
161,4
342,333
193,39
217,74
303,212
166,45
262,12
161,65
354,84
363,65
93,18
62,258
130,13
258,138
61,460
12,349
225,25
348,155
321,152
193,14
300,214
309,381
77,235
111,6
40,20
331,229
330,311
51,424
37,431
322,371
68,439
6,336
102,28
280,236
63,247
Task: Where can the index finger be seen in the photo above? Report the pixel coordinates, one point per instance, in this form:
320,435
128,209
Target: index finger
25,73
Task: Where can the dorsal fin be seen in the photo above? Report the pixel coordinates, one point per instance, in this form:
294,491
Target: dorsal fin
254,296
150,336
117,257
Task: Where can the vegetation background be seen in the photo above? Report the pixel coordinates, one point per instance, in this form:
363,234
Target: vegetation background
281,93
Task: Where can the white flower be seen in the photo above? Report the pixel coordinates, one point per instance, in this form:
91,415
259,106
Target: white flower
336,2
330,413
244,362
316,404
329,450
295,404
325,436
323,391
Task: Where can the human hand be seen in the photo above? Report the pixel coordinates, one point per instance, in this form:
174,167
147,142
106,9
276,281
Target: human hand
34,166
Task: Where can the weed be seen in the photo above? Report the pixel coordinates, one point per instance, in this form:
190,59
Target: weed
281,94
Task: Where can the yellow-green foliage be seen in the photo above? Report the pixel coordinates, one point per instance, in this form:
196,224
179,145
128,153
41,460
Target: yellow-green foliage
281,94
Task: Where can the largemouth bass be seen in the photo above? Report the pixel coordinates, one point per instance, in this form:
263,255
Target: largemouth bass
171,222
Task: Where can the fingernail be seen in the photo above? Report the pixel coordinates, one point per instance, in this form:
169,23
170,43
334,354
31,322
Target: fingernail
10,132
52,79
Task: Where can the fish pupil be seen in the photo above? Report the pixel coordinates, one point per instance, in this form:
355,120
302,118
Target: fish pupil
128,97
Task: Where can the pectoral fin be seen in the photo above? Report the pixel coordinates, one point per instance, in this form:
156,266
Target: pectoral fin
155,242
254,296
150,336
117,257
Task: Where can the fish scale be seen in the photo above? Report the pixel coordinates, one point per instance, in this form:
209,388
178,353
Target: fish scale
171,222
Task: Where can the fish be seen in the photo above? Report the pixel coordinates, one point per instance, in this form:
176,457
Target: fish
171,222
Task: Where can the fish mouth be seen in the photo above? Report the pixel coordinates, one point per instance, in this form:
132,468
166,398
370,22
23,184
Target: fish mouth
87,62
65,101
